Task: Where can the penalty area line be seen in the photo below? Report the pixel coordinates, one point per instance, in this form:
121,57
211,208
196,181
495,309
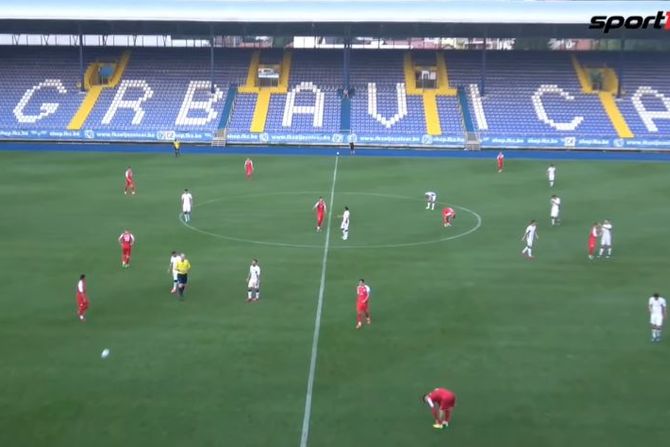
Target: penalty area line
304,437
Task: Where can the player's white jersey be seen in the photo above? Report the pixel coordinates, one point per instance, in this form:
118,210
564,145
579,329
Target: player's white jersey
186,202
431,196
530,234
551,172
254,275
173,265
555,206
345,220
606,234
657,306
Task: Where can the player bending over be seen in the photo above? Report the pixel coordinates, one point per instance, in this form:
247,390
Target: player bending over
593,239
126,240
130,182
431,198
174,259
657,313
448,216
605,239
320,207
344,226
248,168
82,298
362,301
551,175
254,281
441,402
500,159
555,202
186,205
529,237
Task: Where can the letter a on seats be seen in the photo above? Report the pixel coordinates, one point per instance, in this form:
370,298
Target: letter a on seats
648,116
316,110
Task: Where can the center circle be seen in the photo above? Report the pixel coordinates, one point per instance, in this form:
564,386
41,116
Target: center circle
374,216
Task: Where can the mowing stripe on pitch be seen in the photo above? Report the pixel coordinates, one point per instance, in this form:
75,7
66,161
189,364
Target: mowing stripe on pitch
317,319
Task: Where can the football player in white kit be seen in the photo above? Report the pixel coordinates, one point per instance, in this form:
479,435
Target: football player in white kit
186,205
254,281
431,198
605,239
657,313
344,226
529,236
555,202
551,174
174,258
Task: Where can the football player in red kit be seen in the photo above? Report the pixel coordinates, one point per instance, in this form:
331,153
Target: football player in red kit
500,159
130,182
362,300
593,239
320,207
82,298
448,216
248,168
126,240
441,402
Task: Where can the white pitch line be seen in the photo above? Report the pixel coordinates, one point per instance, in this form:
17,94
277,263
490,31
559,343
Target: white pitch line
317,319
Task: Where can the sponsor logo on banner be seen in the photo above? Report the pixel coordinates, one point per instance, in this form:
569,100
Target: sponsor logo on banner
607,23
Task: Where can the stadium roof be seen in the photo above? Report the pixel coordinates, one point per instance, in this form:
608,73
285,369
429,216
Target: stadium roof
500,18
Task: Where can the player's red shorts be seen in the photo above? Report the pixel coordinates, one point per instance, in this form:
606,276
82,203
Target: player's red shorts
319,218
130,183
249,171
126,249
592,244
362,307
82,302
500,164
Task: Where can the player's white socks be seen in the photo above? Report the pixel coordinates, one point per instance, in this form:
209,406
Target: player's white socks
527,250
258,294
432,206
345,235
249,294
551,184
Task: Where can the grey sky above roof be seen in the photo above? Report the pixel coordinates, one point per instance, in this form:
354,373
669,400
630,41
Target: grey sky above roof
330,11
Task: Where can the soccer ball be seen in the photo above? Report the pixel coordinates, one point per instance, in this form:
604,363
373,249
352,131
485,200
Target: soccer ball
105,353
337,153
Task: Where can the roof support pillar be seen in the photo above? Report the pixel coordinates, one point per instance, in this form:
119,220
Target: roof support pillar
482,81
622,46
81,59
211,59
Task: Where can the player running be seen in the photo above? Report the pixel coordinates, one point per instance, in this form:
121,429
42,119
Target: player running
555,202
344,226
126,240
320,207
130,182
551,175
254,281
448,216
248,168
657,313
593,239
362,300
500,160
431,199
605,239
174,259
186,205
82,298
183,267
529,237
441,402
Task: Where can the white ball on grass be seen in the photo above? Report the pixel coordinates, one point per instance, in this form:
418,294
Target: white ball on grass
338,153
105,353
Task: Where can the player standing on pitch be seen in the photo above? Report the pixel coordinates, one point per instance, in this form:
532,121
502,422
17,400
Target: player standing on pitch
126,240
254,281
551,175
500,160
248,168
320,207
344,226
174,259
183,267
82,298
529,237
431,199
186,205
130,182
657,312
555,203
448,216
605,239
441,402
593,239
362,303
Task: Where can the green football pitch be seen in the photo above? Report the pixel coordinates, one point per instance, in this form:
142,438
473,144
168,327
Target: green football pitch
549,352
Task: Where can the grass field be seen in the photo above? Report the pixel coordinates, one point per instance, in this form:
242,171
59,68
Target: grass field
553,352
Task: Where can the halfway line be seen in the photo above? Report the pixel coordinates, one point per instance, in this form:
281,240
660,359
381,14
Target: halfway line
317,320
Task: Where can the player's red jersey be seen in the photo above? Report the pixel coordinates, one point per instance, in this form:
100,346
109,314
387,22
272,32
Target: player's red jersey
593,240
248,167
362,298
501,161
82,299
320,207
129,175
126,239
448,212
444,398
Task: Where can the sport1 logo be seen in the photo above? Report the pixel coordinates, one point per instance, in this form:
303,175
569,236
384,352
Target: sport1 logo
607,23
